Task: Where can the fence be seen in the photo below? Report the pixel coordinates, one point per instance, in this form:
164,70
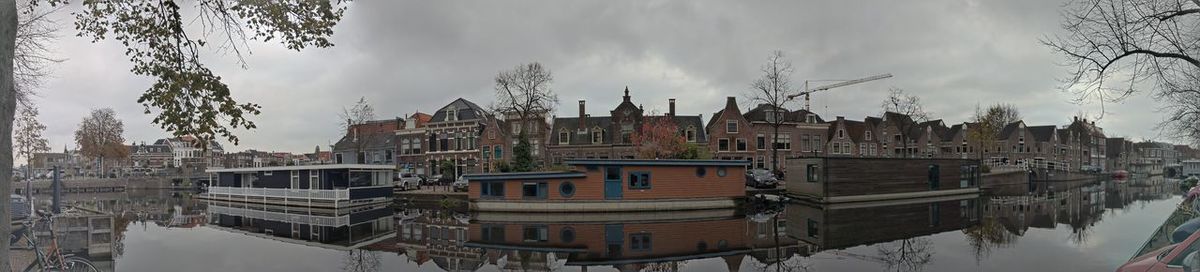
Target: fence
334,194
332,221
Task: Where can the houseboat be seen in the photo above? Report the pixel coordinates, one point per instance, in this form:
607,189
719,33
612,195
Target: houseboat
340,229
601,185
847,225
837,180
326,185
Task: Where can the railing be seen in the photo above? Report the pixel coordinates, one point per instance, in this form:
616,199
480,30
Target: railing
334,194
333,221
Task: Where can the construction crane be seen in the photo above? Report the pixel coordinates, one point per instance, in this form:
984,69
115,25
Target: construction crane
808,91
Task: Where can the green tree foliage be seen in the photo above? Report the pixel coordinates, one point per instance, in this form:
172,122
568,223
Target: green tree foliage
503,167
523,155
694,152
447,169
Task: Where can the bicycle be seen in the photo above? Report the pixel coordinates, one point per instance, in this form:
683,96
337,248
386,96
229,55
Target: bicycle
54,259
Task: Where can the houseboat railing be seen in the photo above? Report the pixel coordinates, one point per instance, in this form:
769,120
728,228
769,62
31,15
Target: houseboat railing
333,221
334,194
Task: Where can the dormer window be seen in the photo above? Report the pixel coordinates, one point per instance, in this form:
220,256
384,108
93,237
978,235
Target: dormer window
772,115
811,118
868,135
451,114
516,128
690,134
564,137
597,135
841,134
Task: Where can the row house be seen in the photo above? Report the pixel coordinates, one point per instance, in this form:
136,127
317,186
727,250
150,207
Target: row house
804,128
150,158
1154,157
502,134
372,142
956,142
1089,140
411,144
192,152
610,137
849,138
1120,153
729,135
452,135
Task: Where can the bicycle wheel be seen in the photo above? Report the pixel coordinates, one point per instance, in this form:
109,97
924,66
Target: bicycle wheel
73,264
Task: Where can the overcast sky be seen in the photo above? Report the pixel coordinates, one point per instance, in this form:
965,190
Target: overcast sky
407,56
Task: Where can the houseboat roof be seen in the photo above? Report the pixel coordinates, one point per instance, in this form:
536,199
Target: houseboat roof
524,175
303,167
657,162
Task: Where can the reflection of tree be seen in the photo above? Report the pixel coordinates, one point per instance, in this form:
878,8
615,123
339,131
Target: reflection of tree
358,260
120,225
906,255
987,235
664,266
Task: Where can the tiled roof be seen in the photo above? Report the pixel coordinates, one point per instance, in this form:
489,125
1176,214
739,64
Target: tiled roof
759,114
571,125
854,130
1008,130
372,141
1042,133
466,110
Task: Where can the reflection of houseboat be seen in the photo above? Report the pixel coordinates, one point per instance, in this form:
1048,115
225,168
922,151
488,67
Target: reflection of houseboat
629,241
329,228
838,180
613,185
835,226
329,185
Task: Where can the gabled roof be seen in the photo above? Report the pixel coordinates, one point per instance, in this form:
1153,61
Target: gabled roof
465,110
685,121
759,114
1042,133
873,121
1009,129
571,125
953,131
854,130
1063,135
371,141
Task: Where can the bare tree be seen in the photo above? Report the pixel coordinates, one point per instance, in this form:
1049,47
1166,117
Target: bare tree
912,115
32,59
906,255
100,136
27,136
988,123
359,260
1113,46
360,113
773,89
525,92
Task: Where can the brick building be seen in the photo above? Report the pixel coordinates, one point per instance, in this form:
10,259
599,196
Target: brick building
609,137
372,142
453,136
803,133
411,144
500,135
730,137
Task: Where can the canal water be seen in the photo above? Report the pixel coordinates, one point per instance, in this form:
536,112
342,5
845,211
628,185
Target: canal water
1084,226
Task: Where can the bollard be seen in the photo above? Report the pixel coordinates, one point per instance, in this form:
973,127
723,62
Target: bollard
57,184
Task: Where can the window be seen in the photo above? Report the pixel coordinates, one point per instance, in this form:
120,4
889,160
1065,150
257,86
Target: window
968,175
491,189
721,172
487,152
451,114
816,144
597,135
516,128
491,134
295,179
639,180
722,144
783,142
811,171
812,118
567,235
935,176
813,231
690,134
701,171
533,190
314,179
536,234
805,144
760,163
761,142
387,155
868,135
741,144
491,233
639,242
498,151
566,189
564,137
862,149
841,134
731,126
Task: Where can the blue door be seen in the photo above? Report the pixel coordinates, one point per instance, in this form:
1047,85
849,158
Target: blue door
612,182
614,240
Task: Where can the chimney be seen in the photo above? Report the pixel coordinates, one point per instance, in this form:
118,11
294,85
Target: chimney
730,103
582,114
671,108
1076,119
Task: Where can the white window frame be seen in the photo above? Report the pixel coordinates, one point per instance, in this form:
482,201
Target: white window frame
735,126
727,146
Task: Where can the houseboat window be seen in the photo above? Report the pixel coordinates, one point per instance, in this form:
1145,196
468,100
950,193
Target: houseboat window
493,233
813,231
722,244
295,179
700,171
314,179
935,178
566,189
639,242
811,172
612,173
721,172
567,235
539,234
267,173
360,179
492,189
639,180
935,214
533,190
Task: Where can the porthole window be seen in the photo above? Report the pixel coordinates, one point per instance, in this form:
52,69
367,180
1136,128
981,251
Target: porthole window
567,235
701,171
567,189
721,171
722,245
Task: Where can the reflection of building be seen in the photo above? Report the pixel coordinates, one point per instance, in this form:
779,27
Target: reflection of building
835,180
836,226
627,241
328,185
438,236
329,228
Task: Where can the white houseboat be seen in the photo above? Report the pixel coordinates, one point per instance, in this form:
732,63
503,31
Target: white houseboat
327,185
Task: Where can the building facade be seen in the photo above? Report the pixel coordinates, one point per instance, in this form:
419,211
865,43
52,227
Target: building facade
372,142
453,136
411,144
610,137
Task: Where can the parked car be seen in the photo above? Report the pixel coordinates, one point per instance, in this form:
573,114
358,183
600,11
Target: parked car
408,181
435,179
460,184
1177,257
761,178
